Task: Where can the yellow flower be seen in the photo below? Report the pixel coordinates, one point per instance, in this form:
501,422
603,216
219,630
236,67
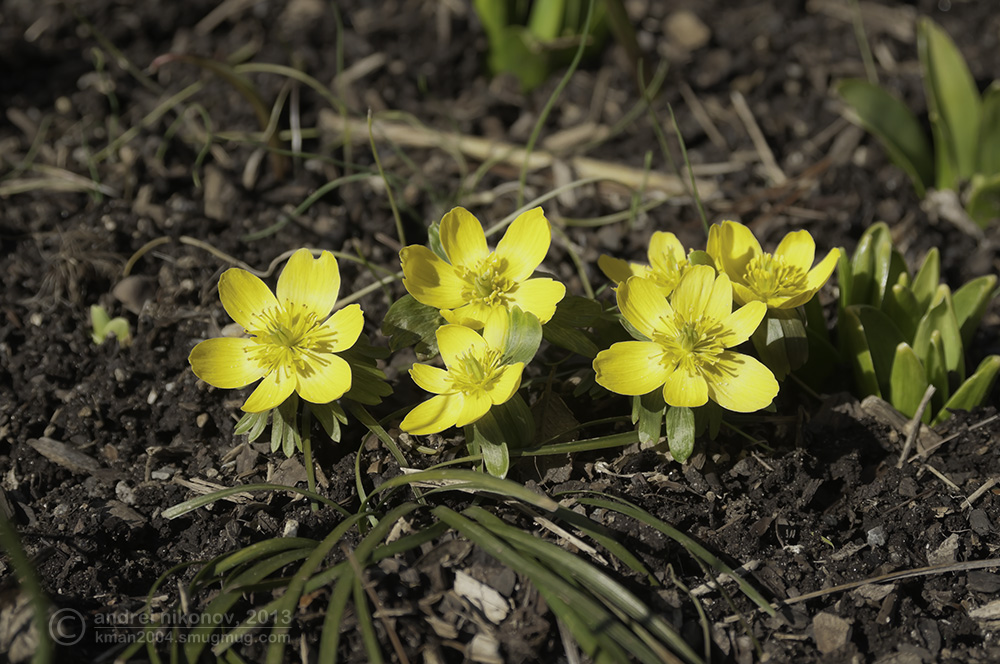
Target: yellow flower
475,285
783,280
687,349
475,379
293,336
667,263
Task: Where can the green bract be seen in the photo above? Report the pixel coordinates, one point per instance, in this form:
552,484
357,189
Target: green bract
965,127
903,333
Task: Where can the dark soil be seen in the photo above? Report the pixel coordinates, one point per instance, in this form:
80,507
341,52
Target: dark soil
97,440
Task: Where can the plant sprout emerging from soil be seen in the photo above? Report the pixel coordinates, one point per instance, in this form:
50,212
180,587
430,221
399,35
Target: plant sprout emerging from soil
667,263
476,378
294,340
104,326
475,285
683,345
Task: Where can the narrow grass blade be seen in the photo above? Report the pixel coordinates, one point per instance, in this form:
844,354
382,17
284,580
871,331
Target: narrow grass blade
200,501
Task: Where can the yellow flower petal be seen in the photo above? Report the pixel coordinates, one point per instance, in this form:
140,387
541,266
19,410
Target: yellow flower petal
644,306
821,273
432,379
742,323
797,249
666,252
694,292
495,329
225,362
539,297
325,378
309,284
523,247
463,239
616,269
454,341
714,245
506,384
742,384
476,405
472,315
245,298
685,388
742,294
272,391
430,280
344,326
720,300
434,415
631,367
737,246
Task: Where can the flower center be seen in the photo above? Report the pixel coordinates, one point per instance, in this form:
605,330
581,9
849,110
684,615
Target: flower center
488,284
473,373
695,344
290,340
769,276
668,274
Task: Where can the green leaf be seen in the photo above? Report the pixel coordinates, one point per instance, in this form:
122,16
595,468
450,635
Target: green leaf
434,241
989,132
970,302
984,199
409,323
941,317
937,371
874,266
928,278
908,382
252,424
546,19
368,382
699,257
524,334
883,338
953,104
647,414
973,391
895,126
781,341
901,307
680,432
563,329
856,347
845,279
284,427
329,415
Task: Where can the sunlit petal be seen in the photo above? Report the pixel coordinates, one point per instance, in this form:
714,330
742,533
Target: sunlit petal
736,246
643,305
463,239
343,327
245,298
720,301
694,292
631,367
432,379
666,252
505,385
308,284
616,269
685,388
272,391
741,383
434,415
454,341
797,249
524,245
821,273
742,294
430,280
539,297
325,378
495,329
225,362
740,324
477,404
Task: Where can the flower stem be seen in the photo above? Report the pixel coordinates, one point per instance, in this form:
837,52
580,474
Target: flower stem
306,433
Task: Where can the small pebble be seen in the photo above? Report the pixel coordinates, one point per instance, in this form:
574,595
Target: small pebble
876,537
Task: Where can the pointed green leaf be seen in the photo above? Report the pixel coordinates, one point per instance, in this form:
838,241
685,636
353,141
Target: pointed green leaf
941,317
680,432
845,279
895,126
908,382
856,347
781,341
989,132
901,307
937,371
984,199
970,302
953,104
973,391
863,266
647,413
368,382
546,19
524,334
883,338
928,278
409,323
564,328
